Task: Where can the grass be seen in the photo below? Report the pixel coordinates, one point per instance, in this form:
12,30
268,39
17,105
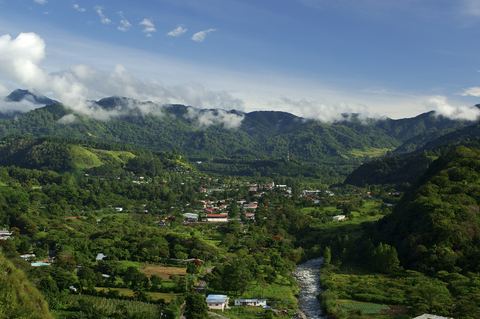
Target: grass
84,158
63,314
240,312
371,152
366,307
155,295
163,272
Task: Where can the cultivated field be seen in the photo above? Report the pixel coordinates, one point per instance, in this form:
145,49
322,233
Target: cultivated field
163,272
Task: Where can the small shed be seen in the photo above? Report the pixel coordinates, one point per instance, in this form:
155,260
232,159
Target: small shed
338,217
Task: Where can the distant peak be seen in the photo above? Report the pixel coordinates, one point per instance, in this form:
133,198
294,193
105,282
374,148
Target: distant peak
34,97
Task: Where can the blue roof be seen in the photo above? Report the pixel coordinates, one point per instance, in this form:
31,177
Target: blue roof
217,298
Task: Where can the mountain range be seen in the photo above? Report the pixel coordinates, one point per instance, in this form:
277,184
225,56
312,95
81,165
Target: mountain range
202,134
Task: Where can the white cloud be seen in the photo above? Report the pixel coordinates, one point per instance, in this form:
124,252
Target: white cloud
20,61
149,27
40,1
441,106
215,117
177,31
201,35
124,24
103,18
77,7
22,106
67,119
4,88
473,91
324,112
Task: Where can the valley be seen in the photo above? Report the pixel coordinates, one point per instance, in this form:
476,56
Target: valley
124,215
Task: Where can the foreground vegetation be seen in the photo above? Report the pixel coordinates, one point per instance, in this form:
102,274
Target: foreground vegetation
420,257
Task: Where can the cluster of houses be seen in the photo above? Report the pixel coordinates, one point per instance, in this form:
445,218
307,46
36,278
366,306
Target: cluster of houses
221,302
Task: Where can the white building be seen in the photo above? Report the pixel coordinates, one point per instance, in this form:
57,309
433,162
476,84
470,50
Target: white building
217,218
251,302
338,217
217,302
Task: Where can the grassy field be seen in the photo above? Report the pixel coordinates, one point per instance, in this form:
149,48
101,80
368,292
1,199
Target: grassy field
371,309
155,295
163,272
239,312
371,152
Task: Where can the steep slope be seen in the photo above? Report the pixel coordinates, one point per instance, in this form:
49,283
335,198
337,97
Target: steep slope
18,297
436,225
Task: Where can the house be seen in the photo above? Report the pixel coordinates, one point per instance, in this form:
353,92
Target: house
163,222
251,302
27,256
100,256
338,217
189,217
217,218
119,209
217,302
250,206
5,234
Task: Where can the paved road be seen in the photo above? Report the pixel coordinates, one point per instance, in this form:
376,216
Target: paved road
203,284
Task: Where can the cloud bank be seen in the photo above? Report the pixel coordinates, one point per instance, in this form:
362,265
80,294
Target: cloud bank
20,61
323,111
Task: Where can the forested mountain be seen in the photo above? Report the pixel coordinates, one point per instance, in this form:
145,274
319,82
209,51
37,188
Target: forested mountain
79,156
404,169
200,133
436,225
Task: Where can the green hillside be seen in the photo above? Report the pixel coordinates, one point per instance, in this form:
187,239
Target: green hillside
73,155
436,225
19,298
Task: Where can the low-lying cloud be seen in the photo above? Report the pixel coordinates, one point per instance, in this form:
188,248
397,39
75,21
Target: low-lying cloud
7,107
206,118
322,111
67,119
441,106
20,60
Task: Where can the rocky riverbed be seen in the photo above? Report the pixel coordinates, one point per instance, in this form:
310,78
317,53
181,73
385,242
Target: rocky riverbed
307,277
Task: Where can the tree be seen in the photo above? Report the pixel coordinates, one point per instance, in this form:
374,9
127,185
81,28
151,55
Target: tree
195,307
327,255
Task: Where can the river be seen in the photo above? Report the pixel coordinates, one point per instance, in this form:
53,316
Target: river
307,275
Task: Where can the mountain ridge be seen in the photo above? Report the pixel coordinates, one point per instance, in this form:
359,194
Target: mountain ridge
207,133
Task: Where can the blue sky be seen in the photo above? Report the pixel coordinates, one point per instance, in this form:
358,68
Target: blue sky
313,58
